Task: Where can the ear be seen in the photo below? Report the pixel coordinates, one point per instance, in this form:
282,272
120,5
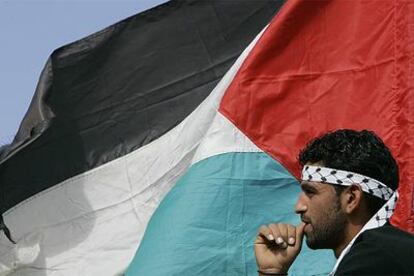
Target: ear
351,199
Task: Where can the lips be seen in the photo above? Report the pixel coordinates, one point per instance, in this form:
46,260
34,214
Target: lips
305,220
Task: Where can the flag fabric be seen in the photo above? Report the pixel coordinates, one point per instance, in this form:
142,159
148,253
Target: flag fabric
80,181
318,67
224,166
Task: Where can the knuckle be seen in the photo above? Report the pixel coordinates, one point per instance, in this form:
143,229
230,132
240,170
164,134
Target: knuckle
273,226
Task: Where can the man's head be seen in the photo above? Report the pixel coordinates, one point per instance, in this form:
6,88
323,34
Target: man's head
326,207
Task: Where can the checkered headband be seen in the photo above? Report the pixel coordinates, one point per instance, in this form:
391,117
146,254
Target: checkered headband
344,178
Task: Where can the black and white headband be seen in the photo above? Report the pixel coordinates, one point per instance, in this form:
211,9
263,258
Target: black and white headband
344,178
367,184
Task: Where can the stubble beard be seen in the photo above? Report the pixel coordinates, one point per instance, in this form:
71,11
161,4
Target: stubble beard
329,232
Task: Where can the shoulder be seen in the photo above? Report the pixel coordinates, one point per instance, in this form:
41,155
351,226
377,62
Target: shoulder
382,251
387,235
390,233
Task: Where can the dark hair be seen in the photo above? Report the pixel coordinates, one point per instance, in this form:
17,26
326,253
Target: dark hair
362,152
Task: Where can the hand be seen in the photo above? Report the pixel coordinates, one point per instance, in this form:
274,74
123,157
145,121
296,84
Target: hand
277,246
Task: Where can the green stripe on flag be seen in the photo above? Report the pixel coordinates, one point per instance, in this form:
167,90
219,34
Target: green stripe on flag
206,225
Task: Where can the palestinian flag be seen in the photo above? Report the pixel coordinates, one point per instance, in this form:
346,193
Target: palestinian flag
130,133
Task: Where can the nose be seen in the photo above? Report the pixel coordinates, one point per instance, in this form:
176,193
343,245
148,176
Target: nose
301,206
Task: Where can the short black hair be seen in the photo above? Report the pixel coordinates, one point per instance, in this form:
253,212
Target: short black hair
361,152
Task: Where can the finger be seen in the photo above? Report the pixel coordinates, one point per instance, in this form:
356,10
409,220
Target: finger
300,234
283,239
264,235
275,232
291,230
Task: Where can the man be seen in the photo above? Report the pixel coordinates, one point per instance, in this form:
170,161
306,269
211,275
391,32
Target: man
349,183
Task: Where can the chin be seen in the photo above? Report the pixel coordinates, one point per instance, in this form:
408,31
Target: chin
314,244
311,244
317,244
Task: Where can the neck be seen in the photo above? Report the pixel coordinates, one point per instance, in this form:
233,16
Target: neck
351,230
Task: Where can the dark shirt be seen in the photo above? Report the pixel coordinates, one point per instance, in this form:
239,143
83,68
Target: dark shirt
386,250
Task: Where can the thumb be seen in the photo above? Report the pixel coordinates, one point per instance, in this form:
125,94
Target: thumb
299,234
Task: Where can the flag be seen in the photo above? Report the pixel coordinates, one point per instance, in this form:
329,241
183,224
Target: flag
79,182
319,66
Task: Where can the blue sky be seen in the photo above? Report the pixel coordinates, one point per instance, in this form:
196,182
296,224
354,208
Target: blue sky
31,29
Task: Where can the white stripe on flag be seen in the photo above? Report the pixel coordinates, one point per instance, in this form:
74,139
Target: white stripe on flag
223,137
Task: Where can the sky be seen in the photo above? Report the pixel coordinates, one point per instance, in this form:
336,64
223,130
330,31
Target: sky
31,29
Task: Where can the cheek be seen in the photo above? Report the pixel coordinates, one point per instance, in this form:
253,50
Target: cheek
319,213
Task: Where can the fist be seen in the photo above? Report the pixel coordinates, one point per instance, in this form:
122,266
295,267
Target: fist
277,246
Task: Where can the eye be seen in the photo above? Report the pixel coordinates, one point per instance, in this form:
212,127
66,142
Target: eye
309,191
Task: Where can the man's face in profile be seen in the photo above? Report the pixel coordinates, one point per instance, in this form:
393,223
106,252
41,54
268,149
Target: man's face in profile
319,207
